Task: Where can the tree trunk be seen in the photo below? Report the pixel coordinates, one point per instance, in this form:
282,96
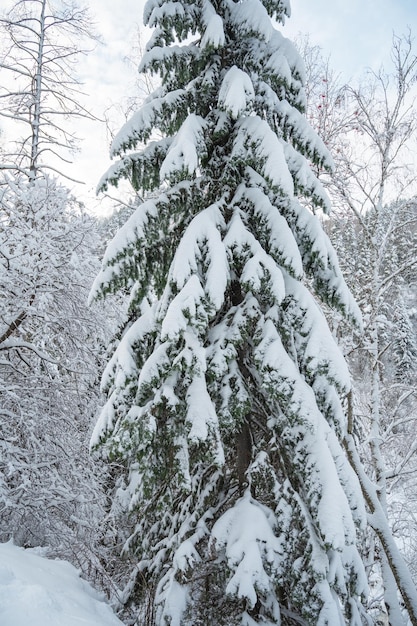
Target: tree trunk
244,455
35,122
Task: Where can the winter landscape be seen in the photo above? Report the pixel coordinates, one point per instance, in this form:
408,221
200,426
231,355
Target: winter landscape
208,375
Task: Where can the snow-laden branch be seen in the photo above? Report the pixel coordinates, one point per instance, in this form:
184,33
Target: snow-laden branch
387,282
15,344
15,168
14,69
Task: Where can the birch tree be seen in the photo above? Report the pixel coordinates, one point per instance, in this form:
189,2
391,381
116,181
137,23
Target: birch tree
377,190
372,129
39,92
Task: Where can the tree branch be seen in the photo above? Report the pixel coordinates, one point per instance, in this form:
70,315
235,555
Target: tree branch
18,321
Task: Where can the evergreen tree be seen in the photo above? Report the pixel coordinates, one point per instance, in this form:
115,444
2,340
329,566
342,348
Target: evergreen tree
225,391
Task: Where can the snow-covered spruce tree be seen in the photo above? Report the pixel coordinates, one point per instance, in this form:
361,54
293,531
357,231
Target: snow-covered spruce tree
224,392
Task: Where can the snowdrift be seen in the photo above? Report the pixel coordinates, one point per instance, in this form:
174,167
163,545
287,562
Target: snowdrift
41,592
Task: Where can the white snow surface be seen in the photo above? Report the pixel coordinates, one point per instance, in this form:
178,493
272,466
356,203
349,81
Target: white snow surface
251,16
37,591
203,232
183,152
255,135
214,33
245,533
236,92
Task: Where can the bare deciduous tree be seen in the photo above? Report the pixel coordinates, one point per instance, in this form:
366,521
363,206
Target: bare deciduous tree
371,129
42,41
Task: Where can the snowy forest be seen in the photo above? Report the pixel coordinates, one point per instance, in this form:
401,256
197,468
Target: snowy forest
208,411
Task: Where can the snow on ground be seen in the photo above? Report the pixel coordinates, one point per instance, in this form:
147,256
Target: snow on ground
42,592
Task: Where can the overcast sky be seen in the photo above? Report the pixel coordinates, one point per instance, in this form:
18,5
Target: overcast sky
356,34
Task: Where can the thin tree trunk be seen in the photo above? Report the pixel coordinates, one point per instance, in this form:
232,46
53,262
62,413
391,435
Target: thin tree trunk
379,523
35,123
